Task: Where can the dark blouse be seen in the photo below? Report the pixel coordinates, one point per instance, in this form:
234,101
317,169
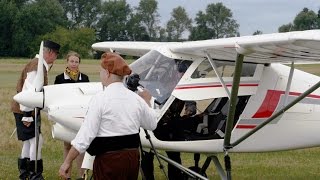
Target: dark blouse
61,80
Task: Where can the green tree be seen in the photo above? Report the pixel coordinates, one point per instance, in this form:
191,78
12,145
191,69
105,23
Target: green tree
305,20
178,23
136,32
19,3
147,13
257,32
201,31
219,19
163,37
79,40
113,22
8,10
318,19
286,28
34,19
217,22
81,13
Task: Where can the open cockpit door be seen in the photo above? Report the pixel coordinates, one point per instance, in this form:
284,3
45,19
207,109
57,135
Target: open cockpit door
207,122
159,74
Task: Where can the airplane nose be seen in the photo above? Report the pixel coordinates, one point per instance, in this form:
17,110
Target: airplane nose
31,99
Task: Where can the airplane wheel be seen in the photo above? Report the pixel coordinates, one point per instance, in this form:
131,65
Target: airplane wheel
195,169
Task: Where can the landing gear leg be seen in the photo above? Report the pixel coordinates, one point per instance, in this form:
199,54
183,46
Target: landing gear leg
196,167
196,158
217,164
227,163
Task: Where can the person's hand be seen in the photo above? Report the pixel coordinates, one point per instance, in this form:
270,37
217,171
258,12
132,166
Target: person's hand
27,118
63,171
26,123
188,112
145,94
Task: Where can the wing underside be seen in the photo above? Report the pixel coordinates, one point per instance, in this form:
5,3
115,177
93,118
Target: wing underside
133,48
299,46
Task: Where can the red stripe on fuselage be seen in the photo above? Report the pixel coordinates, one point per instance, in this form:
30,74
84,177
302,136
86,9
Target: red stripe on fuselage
269,105
241,126
210,86
271,101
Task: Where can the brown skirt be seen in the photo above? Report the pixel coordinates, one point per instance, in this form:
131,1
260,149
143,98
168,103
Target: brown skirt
117,165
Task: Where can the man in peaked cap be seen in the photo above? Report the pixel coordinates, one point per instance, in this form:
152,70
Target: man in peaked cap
52,46
110,130
24,116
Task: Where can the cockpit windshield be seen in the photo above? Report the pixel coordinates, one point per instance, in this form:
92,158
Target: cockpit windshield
159,74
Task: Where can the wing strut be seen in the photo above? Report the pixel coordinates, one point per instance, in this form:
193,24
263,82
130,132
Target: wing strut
233,101
213,64
288,85
232,108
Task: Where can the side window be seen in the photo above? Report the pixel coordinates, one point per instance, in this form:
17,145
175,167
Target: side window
225,69
204,70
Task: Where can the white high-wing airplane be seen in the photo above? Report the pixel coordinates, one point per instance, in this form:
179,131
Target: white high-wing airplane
247,101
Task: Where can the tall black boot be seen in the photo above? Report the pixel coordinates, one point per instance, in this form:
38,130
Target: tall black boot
23,168
36,175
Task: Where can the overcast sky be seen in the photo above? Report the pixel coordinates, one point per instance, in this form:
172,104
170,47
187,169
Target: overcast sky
251,15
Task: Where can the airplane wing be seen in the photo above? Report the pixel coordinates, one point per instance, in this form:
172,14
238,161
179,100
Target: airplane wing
298,46
279,47
133,48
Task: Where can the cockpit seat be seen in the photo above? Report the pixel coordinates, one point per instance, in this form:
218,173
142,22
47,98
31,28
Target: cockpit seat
203,127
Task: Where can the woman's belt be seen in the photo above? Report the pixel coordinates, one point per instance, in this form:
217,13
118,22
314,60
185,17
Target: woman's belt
101,145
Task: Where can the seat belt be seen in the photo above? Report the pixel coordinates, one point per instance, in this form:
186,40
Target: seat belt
218,131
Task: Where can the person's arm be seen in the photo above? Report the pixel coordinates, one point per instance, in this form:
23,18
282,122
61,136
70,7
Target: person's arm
90,126
27,112
149,116
64,168
146,96
88,131
28,86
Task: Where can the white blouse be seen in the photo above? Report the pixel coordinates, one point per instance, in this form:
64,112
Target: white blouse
116,111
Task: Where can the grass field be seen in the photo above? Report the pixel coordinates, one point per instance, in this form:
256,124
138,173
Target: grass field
296,164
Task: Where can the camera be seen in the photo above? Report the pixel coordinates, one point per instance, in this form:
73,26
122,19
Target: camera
132,82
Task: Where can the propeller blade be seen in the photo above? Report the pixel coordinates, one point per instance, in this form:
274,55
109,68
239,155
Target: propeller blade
39,79
38,84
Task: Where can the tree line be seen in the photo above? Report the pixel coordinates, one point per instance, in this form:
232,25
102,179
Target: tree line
77,24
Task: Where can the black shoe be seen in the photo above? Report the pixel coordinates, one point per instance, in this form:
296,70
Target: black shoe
33,174
23,168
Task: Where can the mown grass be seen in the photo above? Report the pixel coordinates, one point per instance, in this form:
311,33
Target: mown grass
296,164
